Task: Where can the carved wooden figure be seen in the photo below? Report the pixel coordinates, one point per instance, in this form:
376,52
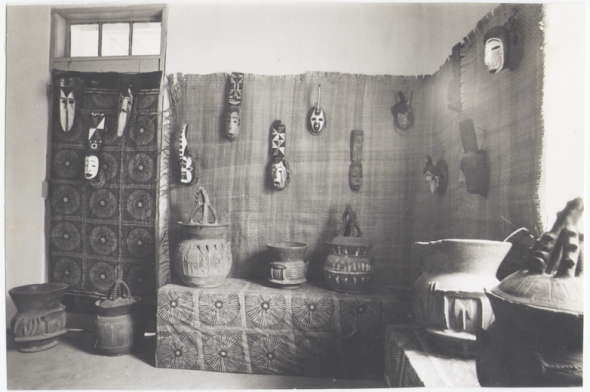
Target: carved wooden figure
279,168
403,114
128,88
188,174
233,118
355,172
317,117
474,163
436,176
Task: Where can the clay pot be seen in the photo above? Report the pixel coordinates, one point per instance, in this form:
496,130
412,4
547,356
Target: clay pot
119,326
203,258
449,299
348,267
40,316
288,269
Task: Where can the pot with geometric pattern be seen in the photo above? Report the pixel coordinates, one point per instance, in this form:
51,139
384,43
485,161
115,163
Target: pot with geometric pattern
203,258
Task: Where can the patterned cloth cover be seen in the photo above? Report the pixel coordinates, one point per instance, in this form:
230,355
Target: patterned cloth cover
94,229
245,327
411,361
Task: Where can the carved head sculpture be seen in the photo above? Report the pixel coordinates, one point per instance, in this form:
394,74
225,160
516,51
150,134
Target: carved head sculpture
403,115
355,176
280,173
232,129
496,49
67,92
91,162
436,176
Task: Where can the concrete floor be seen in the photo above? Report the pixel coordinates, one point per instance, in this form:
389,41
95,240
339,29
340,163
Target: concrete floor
72,365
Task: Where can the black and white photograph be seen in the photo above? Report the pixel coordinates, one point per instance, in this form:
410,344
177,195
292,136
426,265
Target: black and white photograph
294,195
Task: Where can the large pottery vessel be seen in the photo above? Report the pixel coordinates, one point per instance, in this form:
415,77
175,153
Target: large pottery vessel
348,267
40,316
449,299
203,258
287,268
119,324
536,339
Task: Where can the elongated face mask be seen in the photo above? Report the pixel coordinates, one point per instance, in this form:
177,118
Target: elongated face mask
67,108
355,176
126,103
494,55
233,124
317,120
280,174
91,162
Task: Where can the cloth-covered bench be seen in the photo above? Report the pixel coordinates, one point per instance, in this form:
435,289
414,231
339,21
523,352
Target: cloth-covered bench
248,327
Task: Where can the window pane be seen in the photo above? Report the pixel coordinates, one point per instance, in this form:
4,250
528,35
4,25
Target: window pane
115,39
84,40
146,38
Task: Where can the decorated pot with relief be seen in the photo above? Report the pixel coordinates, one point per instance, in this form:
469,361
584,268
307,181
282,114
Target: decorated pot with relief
348,267
287,268
203,257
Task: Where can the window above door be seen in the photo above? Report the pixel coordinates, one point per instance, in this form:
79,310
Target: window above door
114,38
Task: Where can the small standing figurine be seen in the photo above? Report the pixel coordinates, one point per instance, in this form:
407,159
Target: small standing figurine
317,117
355,172
474,163
92,162
403,114
232,129
188,174
436,176
279,168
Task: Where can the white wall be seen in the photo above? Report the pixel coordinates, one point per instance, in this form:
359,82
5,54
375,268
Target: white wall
27,77
293,38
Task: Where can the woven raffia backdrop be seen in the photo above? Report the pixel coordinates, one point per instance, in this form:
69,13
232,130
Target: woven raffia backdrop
394,205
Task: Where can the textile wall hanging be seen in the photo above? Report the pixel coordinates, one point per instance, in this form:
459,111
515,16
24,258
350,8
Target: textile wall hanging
96,226
506,110
310,208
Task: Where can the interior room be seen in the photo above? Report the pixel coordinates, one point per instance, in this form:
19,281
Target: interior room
279,195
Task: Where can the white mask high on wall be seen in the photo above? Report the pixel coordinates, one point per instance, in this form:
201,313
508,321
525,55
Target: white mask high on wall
494,55
126,103
67,108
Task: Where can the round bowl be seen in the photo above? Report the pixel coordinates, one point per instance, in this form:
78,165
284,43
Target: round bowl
38,297
287,251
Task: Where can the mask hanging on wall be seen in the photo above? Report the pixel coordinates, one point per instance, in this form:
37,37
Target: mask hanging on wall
233,119
128,88
316,117
92,161
403,114
69,93
188,174
355,172
280,171
474,163
436,175
503,46
454,87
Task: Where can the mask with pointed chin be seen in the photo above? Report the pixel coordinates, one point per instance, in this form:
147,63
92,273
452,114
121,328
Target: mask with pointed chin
126,103
317,120
67,108
280,174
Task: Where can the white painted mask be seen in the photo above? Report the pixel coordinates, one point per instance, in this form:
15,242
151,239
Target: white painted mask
494,55
67,108
280,175
125,111
432,181
317,120
91,166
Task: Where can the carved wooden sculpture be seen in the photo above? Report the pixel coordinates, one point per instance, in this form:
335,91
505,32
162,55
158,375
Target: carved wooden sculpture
279,168
355,172
188,174
69,94
233,119
317,117
92,162
128,88
436,176
503,46
474,163
403,114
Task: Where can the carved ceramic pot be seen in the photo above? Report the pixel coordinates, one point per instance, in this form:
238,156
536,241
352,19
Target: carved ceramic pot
40,316
287,268
537,337
203,258
118,326
449,299
348,267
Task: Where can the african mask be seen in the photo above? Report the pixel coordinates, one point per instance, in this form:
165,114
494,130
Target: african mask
125,106
67,91
91,166
280,173
474,162
317,117
496,49
91,162
187,172
355,176
232,129
403,114
436,176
